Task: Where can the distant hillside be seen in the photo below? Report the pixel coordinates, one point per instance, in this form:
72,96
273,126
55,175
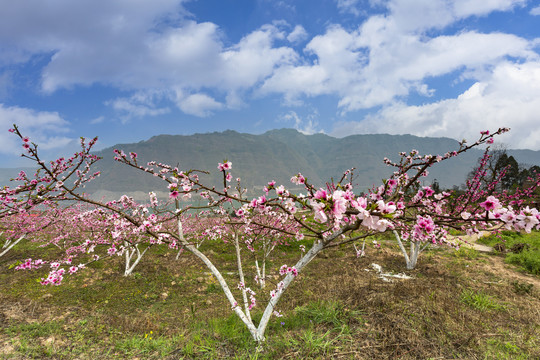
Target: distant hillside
277,155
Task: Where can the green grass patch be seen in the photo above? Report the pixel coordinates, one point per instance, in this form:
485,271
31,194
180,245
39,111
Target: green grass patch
480,301
522,249
465,252
528,260
330,312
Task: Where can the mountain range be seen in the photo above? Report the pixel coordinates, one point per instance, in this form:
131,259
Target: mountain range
278,155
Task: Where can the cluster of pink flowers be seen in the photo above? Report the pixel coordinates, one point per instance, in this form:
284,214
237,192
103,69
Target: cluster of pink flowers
284,270
252,298
227,165
279,289
30,264
423,228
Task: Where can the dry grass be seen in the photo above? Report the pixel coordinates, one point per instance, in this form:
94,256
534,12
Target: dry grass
335,309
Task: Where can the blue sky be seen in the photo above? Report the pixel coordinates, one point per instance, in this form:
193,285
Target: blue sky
126,70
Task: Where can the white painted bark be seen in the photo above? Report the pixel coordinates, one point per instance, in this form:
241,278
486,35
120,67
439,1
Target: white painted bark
260,275
179,252
261,271
268,311
362,252
224,286
130,252
241,276
9,244
415,250
257,332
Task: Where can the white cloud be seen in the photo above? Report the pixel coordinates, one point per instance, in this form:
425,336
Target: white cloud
420,15
535,11
348,6
97,120
307,126
139,105
298,34
42,127
199,105
133,46
389,57
508,97
253,59
464,8
139,45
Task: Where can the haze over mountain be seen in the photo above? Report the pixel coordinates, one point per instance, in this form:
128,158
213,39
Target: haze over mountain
278,155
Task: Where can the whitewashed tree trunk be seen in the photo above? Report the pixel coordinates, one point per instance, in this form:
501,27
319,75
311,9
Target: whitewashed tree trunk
360,253
9,244
129,253
261,271
260,274
269,310
257,332
241,276
415,250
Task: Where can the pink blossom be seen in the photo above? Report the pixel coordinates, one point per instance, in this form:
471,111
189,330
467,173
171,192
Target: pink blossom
491,203
428,191
261,200
339,205
298,179
240,212
382,225
321,194
227,165
386,208
318,208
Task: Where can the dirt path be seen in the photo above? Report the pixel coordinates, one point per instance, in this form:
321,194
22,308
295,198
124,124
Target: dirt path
470,241
497,262
511,273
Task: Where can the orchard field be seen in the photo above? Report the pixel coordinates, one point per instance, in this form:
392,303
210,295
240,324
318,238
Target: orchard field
214,272
458,305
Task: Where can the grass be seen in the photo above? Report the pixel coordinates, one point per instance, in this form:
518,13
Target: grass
457,305
480,301
523,249
465,252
